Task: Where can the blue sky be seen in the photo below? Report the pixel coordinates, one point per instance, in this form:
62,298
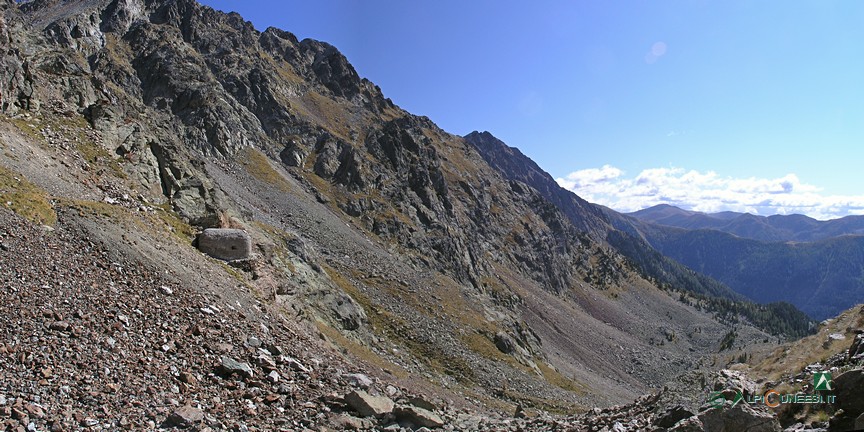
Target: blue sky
711,105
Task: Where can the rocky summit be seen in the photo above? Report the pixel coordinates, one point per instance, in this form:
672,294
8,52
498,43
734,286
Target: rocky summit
206,226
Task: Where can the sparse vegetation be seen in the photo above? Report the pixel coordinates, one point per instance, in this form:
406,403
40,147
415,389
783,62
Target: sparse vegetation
359,351
808,350
728,340
178,227
556,378
28,200
258,165
396,329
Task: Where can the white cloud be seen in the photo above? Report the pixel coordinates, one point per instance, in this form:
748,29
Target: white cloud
658,49
708,192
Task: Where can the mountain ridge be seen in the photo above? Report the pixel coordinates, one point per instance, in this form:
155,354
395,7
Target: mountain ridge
774,228
819,273
613,228
390,243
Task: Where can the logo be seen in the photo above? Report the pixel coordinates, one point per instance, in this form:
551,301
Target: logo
823,381
716,399
772,398
738,398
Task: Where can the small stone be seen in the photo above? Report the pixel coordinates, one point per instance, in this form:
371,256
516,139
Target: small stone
419,416
230,366
347,422
266,362
273,377
253,342
421,402
166,290
367,405
184,416
275,350
35,410
188,378
59,326
359,380
19,414
296,365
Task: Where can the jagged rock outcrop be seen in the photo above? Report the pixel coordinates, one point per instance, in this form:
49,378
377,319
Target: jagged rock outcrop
856,351
396,245
16,70
850,399
741,417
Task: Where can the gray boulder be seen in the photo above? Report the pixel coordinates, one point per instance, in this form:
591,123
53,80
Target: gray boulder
229,366
359,380
184,416
727,379
504,343
672,415
369,406
856,351
850,397
225,244
742,417
690,424
418,416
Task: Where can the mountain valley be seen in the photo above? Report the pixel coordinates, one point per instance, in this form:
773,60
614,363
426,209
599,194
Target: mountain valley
816,265
401,277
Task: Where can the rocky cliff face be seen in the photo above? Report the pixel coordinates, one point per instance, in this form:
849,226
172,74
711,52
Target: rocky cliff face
403,246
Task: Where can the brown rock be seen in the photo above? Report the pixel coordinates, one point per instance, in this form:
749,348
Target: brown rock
346,422
419,416
60,326
367,405
18,414
740,418
856,351
188,378
419,401
184,416
35,410
848,387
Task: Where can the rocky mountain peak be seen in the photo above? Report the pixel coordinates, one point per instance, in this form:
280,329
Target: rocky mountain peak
383,274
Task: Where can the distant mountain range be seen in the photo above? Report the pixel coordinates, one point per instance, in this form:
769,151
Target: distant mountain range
777,228
816,265
625,234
